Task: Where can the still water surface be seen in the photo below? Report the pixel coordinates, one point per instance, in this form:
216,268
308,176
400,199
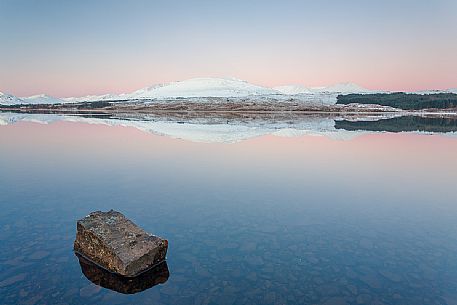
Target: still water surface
270,220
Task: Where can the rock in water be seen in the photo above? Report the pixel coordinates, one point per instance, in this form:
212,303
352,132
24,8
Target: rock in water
115,243
128,285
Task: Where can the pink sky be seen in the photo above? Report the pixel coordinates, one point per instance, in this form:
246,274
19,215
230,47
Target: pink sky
76,49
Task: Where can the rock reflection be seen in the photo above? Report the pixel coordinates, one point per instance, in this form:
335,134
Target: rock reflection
127,285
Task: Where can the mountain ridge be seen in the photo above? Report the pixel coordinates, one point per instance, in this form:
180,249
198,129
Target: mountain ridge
202,87
219,87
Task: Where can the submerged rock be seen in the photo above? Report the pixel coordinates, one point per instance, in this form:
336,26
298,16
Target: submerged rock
128,285
115,243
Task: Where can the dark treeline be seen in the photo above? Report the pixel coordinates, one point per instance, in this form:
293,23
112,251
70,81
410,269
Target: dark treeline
406,101
405,123
93,105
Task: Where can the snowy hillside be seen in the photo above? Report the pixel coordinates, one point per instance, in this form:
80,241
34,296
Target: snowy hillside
91,98
343,88
199,88
293,89
8,99
41,99
220,87
203,87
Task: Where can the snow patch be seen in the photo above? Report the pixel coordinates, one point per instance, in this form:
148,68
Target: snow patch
9,99
341,88
293,89
41,99
203,87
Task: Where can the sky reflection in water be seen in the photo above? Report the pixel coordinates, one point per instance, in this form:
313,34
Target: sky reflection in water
305,220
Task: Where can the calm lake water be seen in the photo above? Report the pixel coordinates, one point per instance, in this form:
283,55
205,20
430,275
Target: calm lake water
268,220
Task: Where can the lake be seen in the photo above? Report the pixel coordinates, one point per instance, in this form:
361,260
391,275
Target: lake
326,214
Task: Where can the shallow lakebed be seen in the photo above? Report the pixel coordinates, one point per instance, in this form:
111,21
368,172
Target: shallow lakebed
283,217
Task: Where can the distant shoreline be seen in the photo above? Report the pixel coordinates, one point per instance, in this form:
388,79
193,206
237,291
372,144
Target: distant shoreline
229,108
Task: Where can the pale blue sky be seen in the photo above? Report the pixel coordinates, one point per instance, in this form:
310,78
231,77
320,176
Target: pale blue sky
83,47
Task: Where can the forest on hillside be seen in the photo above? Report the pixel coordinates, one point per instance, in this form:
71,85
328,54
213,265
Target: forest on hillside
406,101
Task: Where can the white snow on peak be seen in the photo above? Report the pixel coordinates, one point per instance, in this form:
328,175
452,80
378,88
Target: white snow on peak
91,98
203,87
293,89
191,88
342,88
42,99
8,99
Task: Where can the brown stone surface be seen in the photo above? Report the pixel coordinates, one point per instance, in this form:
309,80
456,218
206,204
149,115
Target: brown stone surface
115,243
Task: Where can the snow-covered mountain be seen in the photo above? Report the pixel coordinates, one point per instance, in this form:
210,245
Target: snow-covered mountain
341,88
197,88
92,98
41,99
8,99
293,89
218,87
203,87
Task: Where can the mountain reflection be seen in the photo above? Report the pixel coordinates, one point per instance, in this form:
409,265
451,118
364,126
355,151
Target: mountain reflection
233,128
126,285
